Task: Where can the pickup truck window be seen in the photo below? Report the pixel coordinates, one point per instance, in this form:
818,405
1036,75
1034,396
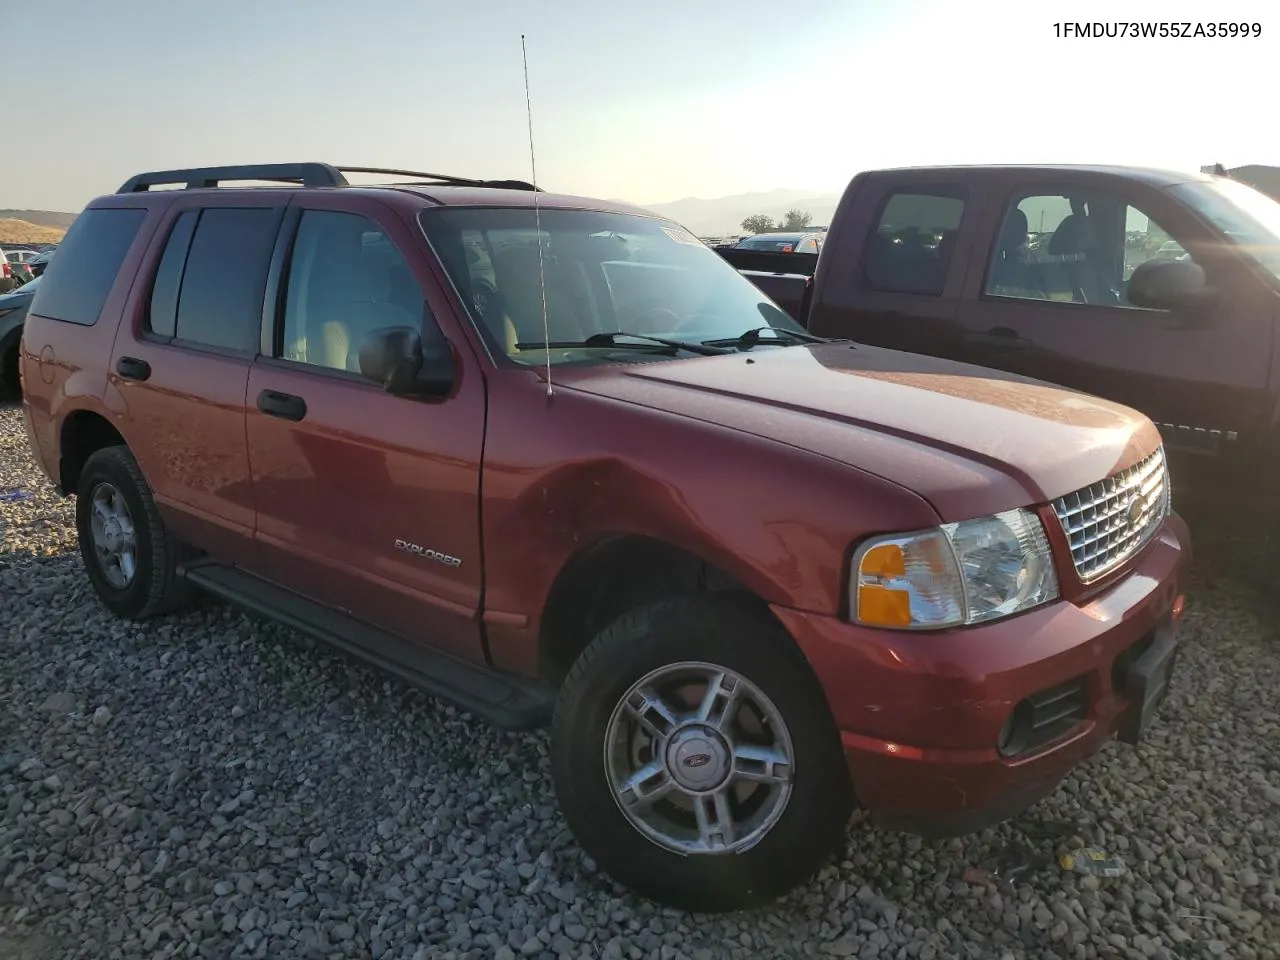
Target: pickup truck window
346,278
909,250
1246,216
604,273
1083,249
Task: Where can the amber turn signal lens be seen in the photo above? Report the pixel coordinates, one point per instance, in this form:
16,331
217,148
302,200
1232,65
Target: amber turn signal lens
881,606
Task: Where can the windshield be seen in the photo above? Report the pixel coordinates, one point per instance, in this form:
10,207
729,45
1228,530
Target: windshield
1250,218
771,242
605,273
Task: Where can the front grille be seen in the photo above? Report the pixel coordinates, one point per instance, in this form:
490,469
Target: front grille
1106,523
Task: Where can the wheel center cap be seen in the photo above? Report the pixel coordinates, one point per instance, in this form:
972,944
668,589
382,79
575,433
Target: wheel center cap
111,533
698,758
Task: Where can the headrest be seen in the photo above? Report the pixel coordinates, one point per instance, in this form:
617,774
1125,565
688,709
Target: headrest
1014,233
1074,236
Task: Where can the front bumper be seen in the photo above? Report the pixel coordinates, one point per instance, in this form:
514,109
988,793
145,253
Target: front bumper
921,715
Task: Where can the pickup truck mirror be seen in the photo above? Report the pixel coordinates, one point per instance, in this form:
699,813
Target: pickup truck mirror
1169,285
397,358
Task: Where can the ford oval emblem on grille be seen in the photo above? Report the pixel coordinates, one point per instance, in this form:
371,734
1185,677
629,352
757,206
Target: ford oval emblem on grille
1135,512
697,760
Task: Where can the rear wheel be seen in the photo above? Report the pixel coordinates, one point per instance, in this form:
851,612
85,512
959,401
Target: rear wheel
695,757
130,557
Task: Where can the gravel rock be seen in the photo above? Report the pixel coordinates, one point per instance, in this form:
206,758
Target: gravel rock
233,791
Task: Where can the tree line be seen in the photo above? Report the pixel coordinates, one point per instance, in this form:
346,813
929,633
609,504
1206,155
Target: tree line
792,220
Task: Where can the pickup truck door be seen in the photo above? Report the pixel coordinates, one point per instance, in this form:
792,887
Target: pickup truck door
367,502
1047,299
893,267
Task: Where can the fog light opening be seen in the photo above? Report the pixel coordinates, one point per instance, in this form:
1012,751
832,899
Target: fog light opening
1016,731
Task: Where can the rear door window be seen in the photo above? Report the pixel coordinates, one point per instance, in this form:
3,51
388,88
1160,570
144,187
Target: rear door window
910,247
221,280
78,281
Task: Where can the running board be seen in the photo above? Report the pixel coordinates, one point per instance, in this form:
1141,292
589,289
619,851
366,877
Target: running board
504,700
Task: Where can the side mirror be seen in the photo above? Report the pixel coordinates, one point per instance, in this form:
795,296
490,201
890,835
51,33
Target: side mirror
396,358
1169,285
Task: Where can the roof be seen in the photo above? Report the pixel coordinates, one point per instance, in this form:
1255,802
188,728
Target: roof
1155,176
452,196
1260,177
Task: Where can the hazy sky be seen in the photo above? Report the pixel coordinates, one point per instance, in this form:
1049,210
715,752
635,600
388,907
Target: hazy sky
645,102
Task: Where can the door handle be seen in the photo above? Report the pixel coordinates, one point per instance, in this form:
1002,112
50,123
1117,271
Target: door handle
1000,338
131,368
283,405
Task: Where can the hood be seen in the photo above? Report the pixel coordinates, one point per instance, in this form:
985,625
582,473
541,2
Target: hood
970,440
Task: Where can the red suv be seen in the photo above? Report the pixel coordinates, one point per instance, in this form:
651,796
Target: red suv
556,461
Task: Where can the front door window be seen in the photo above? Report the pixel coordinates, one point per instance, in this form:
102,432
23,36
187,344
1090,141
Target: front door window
1079,247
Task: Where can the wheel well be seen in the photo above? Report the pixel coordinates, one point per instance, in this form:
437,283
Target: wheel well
83,434
605,580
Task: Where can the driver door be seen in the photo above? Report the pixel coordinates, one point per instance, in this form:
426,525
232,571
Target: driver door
367,502
1051,304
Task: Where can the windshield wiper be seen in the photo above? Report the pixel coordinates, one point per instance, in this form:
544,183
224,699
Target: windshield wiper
610,339
752,337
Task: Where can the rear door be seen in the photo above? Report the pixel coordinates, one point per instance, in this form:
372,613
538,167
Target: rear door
1048,299
893,266
367,502
181,364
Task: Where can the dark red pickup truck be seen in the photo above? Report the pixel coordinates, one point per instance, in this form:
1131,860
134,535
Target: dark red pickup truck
1158,290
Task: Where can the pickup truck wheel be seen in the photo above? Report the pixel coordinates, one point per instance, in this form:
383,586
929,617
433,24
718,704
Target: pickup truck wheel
130,557
695,758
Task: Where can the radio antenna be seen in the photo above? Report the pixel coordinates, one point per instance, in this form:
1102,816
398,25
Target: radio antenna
537,215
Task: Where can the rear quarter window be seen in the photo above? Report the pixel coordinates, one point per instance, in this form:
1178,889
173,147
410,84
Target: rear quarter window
909,250
78,281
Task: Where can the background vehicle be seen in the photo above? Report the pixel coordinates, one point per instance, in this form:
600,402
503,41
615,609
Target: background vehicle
40,261
623,493
782,242
13,311
9,277
1158,290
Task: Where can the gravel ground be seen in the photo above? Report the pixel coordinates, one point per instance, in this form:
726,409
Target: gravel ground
212,786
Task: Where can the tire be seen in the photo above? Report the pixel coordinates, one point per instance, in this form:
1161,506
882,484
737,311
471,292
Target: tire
151,586
704,635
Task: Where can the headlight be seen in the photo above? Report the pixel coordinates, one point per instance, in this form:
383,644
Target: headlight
954,575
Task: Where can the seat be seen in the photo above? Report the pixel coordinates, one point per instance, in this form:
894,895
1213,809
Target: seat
516,316
1011,274
366,307
1075,245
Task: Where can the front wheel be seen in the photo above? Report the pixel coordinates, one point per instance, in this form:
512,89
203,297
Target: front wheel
695,758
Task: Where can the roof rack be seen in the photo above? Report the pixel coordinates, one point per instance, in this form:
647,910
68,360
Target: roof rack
307,175
446,178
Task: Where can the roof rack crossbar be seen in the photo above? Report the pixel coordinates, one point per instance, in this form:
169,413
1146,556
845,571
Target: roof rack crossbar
305,174
444,178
